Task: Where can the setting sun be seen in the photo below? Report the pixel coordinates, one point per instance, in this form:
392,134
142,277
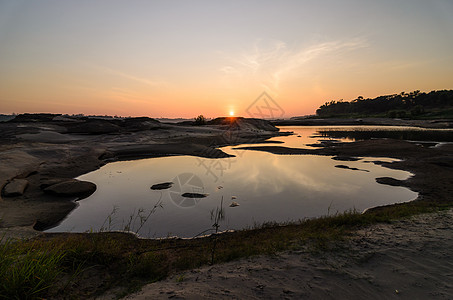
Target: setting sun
231,113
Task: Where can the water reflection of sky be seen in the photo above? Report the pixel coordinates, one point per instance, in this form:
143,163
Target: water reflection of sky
268,187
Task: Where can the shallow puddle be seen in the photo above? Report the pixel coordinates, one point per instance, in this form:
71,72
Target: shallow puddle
266,186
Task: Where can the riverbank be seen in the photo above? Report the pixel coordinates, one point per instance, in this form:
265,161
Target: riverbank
136,261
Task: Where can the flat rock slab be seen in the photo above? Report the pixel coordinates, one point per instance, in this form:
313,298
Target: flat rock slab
72,187
15,188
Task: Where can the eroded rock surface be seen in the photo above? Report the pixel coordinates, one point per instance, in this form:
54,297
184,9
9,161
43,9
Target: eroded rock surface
15,188
71,187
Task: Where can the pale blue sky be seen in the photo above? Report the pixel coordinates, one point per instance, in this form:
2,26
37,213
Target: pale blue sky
181,58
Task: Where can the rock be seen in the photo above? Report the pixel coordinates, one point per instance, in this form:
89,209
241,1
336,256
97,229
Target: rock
234,204
15,188
194,195
51,181
64,119
344,167
244,123
329,141
390,181
34,118
162,186
346,158
47,137
442,161
70,188
350,168
139,124
95,126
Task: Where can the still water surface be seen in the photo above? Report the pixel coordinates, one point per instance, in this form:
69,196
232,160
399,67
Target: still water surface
267,188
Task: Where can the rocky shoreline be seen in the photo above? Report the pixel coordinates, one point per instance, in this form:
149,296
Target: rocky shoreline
40,154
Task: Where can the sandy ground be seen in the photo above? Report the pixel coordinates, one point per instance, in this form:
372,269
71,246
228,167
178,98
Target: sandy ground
409,259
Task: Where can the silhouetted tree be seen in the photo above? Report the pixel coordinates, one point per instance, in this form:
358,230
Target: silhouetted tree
200,120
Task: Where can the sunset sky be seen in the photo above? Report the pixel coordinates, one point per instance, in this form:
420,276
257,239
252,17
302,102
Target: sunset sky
184,58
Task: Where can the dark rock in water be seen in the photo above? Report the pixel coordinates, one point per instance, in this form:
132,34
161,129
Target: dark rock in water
15,188
350,168
345,167
377,162
70,188
318,145
390,181
324,143
194,195
330,141
346,158
162,186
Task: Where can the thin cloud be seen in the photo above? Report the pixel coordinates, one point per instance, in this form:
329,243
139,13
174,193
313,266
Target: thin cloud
272,64
142,80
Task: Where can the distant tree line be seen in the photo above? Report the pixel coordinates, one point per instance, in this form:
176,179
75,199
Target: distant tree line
413,104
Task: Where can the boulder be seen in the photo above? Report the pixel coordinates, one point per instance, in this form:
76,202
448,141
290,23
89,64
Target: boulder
51,181
71,188
15,188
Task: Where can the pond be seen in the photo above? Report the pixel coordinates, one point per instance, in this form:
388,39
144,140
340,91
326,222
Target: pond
266,187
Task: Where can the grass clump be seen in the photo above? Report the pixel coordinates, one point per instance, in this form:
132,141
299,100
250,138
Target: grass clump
118,259
27,273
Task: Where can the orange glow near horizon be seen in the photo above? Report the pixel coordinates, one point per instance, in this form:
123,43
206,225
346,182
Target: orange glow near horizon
215,58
